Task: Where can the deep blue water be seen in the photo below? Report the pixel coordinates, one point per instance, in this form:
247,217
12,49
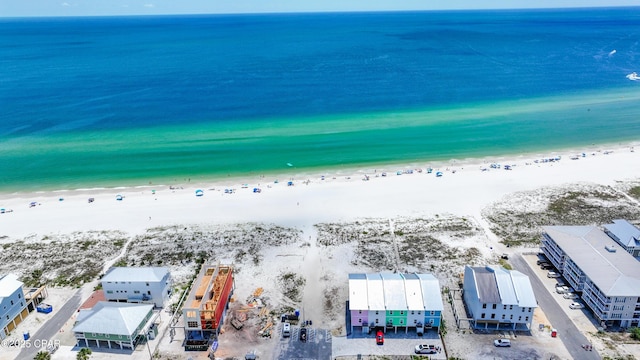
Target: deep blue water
100,77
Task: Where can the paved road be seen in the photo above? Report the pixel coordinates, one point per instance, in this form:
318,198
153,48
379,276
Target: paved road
571,337
51,327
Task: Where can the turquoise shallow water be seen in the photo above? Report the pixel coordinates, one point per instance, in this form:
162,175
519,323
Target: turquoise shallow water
102,102
171,154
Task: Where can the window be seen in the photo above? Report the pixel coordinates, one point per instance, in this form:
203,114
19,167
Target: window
415,321
21,305
11,302
19,296
482,316
511,317
359,311
412,312
530,309
510,307
7,317
376,312
484,306
360,321
431,313
494,306
504,307
401,322
519,318
136,291
109,291
526,318
147,284
502,316
191,314
493,316
377,321
192,324
522,309
401,312
149,292
390,312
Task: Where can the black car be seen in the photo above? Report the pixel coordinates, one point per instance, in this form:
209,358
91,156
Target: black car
303,334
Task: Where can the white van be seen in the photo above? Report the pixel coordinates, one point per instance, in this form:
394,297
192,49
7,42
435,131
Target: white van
286,330
553,274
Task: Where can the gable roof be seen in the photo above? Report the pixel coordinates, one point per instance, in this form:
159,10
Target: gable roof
413,292
358,292
375,292
497,285
624,232
9,283
615,273
394,297
135,274
112,318
430,292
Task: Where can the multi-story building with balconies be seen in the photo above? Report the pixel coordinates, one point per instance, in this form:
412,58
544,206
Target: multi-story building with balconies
594,264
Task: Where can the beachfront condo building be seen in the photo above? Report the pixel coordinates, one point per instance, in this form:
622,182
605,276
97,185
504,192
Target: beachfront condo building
205,307
121,326
594,264
147,285
392,301
626,235
497,298
13,306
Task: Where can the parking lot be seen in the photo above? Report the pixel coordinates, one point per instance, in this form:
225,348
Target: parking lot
317,346
395,343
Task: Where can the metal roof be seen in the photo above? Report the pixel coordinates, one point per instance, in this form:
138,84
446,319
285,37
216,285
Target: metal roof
430,292
375,292
9,283
394,297
497,285
615,273
523,289
413,292
358,292
505,286
627,234
486,283
135,274
112,318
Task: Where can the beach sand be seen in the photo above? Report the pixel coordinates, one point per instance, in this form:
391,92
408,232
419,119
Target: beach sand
464,190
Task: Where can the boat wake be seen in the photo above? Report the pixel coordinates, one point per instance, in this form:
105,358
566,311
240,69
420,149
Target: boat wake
633,76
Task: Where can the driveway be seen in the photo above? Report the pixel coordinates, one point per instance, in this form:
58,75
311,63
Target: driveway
571,337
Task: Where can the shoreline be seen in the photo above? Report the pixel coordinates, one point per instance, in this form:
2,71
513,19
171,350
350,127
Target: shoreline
346,171
466,187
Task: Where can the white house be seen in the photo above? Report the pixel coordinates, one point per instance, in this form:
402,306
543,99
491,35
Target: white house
625,234
498,298
138,285
13,306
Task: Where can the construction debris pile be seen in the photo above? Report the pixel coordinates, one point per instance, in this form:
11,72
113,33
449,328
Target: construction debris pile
255,315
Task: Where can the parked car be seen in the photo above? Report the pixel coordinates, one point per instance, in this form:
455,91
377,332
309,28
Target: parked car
563,289
553,275
576,305
426,349
303,334
502,342
541,261
546,266
380,337
286,330
571,295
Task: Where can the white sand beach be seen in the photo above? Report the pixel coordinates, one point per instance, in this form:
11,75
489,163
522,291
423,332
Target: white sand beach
464,190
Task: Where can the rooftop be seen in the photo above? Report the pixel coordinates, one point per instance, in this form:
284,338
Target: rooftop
614,271
112,318
394,296
135,274
9,283
413,292
388,291
497,285
358,291
627,234
431,296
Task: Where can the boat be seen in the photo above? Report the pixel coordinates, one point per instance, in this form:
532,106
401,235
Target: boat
633,76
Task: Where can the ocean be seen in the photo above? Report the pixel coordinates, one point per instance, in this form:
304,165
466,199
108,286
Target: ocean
130,101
